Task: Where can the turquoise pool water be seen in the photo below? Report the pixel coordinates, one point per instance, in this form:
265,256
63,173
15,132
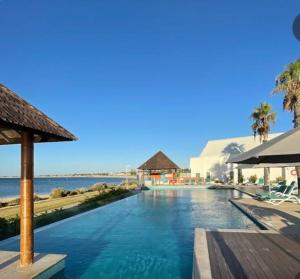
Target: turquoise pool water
149,235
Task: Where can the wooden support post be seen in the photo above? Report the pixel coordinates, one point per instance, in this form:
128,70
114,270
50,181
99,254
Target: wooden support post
26,200
283,173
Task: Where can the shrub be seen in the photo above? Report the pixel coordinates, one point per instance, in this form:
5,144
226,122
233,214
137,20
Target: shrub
37,198
131,185
14,202
240,178
253,179
100,187
82,190
57,193
67,193
279,179
3,204
73,193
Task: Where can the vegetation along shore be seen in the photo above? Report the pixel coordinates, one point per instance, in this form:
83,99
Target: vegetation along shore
61,204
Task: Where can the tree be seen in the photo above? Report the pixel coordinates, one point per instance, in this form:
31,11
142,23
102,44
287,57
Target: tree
263,117
288,83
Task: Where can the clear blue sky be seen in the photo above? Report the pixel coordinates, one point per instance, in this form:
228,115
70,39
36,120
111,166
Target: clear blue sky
131,77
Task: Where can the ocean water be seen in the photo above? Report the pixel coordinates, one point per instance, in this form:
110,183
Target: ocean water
146,236
10,187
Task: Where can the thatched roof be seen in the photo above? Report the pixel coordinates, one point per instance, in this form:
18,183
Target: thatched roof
159,162
17,115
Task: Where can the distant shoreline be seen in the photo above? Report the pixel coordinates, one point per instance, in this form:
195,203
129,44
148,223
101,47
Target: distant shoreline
75,176
10,187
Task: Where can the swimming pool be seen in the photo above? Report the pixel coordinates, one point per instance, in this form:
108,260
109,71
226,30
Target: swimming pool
149,235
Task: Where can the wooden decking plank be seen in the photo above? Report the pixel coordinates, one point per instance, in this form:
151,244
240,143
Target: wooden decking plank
218,266
266,257
273,256
253,255
236,244
285,248
227,257
217,261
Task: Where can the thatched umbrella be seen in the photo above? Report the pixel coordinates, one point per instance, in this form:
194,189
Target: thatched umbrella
158,162
21,123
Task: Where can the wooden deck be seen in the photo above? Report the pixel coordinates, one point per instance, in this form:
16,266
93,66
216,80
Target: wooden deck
246,254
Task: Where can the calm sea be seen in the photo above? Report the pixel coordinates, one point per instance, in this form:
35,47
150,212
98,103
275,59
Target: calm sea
11,186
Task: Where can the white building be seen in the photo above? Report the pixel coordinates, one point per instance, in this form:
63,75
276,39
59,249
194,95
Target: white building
211,161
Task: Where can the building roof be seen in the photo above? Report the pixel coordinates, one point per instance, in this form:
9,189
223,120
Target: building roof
17,115
231,146
159,162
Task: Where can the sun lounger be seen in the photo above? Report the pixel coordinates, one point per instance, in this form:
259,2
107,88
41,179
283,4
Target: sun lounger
287,196
267,195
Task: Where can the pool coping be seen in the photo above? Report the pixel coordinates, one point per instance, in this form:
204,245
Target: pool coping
44,266
253,217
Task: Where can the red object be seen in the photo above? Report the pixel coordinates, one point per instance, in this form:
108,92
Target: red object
155,176
293,172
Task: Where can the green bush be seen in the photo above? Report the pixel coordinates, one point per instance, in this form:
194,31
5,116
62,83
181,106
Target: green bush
57,193
3,204
240,177
253,179
279,179
131,185
82,190
100,187
13,202
73,193
37,198
9,227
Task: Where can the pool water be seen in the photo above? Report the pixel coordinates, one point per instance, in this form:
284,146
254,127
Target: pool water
149,235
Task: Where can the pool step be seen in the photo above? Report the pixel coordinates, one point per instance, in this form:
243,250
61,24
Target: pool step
44,267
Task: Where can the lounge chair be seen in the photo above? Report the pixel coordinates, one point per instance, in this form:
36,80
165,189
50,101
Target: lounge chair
282,183
287,196
274,193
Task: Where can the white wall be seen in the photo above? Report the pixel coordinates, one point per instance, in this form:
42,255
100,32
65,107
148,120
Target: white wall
216,152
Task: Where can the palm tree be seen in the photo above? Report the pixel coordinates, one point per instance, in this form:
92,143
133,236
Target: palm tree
263,117
288,83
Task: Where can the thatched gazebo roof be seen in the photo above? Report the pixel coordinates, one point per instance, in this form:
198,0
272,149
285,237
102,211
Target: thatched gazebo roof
21,123
159,162
17,115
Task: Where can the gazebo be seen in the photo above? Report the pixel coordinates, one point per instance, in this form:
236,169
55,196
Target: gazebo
22,123
156,165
